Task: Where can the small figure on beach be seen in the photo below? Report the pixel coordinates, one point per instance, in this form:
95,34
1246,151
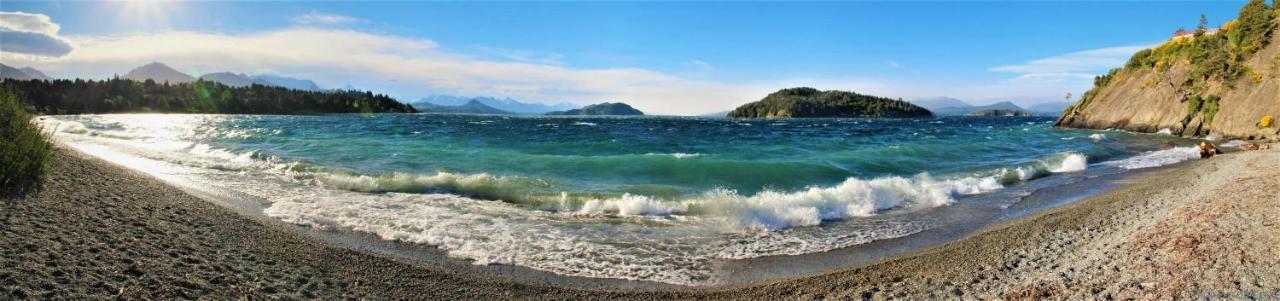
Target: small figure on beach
1208,150
1251,147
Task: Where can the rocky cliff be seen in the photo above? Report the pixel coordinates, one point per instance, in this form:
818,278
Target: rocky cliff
1166,88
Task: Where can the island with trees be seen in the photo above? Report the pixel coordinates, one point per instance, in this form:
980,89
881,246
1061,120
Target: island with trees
601,109
810,102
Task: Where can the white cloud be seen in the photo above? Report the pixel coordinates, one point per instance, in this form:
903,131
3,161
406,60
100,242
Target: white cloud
414,67
31,34
1075,65
317,18
894,64
398,65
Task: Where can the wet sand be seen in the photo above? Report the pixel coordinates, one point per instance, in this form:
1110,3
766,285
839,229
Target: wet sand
1205,229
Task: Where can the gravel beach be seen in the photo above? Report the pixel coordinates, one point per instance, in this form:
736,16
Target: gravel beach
1204,229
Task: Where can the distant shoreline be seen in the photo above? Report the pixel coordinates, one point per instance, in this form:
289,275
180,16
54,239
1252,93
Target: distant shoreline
101,230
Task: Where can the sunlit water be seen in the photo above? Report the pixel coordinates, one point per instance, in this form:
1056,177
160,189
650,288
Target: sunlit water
654,198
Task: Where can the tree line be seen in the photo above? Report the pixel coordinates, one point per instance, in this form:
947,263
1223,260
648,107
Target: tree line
116,95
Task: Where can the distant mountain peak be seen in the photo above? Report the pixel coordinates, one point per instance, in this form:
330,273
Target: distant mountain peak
34,73
473,106
159,73
505,104
25,73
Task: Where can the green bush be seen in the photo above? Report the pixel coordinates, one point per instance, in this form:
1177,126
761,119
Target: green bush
25,152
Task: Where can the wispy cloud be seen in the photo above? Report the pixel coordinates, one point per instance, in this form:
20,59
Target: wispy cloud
32,34
894,64
523,56
413,67
318,18
1071,66
410,66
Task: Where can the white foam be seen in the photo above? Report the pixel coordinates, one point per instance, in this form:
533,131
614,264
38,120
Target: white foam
676,155
1073,162
1157,158
1165,131
612,237
771,210
1234,144
1098,137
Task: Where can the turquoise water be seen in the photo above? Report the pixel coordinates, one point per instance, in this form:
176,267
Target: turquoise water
646,198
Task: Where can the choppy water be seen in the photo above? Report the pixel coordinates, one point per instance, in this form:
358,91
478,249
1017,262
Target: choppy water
655,198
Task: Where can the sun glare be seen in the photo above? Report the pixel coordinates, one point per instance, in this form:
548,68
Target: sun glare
144,15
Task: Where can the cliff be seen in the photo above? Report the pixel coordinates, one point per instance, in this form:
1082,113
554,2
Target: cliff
810,102
1195,85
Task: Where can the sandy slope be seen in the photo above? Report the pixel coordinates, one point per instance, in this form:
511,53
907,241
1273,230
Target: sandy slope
1206,229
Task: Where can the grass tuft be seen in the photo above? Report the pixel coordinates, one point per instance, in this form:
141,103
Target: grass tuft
25,152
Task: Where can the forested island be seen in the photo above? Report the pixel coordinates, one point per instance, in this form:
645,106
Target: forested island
810,102
602,109
118,95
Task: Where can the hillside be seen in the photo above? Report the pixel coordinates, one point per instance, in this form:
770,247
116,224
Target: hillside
1222,83
602,109
471,107
810,102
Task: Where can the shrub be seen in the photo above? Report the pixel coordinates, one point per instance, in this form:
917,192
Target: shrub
25,152
1266,122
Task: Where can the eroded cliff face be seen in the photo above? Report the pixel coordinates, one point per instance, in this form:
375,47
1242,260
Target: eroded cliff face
1150,100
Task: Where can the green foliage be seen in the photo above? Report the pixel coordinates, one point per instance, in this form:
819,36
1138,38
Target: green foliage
1098,82
1219,56
1255,23
24,151
810,102
1208,105
122,96
1141,59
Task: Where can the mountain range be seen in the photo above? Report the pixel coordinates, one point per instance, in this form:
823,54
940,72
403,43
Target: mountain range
504,104
24,73
159,72
946,106
473,106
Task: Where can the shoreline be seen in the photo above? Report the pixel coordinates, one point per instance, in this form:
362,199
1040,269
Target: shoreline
122,231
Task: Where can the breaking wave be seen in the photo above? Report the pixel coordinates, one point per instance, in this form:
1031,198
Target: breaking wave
1157,158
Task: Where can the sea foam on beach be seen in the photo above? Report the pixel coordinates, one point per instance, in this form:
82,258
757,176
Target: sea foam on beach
650,199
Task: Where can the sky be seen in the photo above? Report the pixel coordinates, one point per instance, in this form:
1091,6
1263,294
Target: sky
675,58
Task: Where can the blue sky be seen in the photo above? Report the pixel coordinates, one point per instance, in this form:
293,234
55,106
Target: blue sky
672,58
